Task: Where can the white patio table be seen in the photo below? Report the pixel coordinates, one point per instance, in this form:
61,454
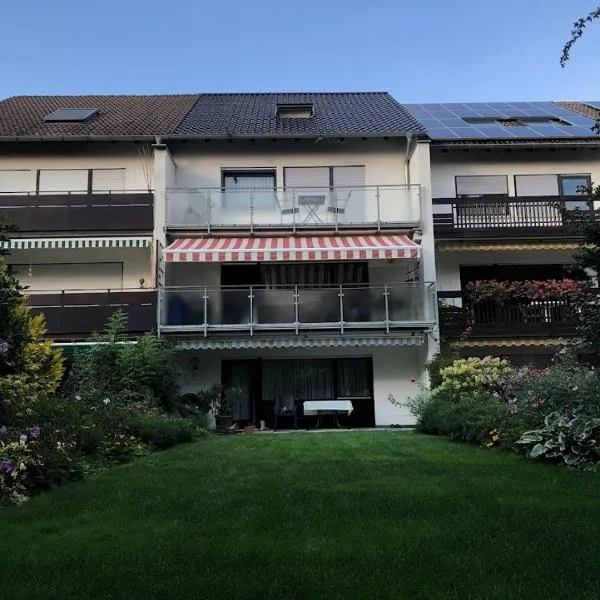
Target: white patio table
327,407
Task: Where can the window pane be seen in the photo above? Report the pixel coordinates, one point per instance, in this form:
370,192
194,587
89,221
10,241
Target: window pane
571,186
278,379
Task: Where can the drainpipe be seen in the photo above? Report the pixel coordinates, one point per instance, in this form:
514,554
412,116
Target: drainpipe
411,146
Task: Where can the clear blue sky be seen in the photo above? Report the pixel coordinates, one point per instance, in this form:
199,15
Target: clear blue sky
420,51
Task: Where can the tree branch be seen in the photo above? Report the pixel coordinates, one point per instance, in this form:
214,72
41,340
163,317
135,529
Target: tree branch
577,31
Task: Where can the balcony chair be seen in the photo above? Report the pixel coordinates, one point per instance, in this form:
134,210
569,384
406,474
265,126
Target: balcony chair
285,407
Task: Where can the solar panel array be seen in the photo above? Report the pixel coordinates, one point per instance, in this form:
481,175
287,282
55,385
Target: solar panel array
447,121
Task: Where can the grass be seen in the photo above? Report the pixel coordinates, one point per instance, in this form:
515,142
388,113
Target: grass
343,515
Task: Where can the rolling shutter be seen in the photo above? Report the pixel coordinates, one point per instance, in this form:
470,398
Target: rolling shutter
63,180
536,185
348,176
108,180
481,185
14,182
302,177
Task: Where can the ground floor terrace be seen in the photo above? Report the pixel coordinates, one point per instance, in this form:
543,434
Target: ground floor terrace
358,386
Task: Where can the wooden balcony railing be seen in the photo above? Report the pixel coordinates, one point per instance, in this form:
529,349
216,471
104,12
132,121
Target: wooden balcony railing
70,312
492,319
505,217
66,211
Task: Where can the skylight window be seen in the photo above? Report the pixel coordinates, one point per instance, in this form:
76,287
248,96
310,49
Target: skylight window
70,115
516,121
295,111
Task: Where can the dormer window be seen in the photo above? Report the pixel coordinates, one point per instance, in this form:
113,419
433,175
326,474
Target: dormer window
70,115
295,111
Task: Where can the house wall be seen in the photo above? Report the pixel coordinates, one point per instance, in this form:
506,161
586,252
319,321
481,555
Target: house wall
99,155
445,166
199,165
114,268
396,372
449,263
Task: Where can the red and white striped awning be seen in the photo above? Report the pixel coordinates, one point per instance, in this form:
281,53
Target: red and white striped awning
284,249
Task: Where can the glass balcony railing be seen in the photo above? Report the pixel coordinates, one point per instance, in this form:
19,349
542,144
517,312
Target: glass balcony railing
296,308
334,207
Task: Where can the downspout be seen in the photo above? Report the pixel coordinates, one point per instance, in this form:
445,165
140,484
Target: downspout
411,146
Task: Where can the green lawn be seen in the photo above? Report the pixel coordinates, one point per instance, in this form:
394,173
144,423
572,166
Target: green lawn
342,515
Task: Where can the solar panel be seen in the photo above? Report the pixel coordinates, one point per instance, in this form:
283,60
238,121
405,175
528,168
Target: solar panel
70,114
501,120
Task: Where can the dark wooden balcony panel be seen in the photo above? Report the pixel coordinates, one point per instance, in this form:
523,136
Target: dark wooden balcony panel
88,312
512,217
552,318
80,212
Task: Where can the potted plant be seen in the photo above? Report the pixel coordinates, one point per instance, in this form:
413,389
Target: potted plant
223,402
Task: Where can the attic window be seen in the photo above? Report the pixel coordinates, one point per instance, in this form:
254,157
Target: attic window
516,121
295,111
70,115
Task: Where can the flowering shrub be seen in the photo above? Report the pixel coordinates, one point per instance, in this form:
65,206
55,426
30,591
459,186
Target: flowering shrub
531,290
471,377
17,460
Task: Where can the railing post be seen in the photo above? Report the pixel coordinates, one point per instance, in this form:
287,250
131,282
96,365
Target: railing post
251,212
294,213
208,212
205,299
378,197
251,319
387,307
296,309
341,295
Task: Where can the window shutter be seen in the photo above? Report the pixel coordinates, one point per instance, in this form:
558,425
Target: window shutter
108,180
348,176
302,177
12,182
482,185
536,185
63,180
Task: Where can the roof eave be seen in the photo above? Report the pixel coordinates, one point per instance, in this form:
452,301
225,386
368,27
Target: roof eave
508,143
77,138
291,136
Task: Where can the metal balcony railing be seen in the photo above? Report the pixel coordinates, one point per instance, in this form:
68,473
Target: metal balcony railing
331,207
296,308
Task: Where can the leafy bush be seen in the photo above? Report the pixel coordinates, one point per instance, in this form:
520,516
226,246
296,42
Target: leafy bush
565,438
163,432
468,419
121,448
124,372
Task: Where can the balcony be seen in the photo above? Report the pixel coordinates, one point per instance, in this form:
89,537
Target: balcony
294,208
70,211
297,309
492,319
502,217
79,313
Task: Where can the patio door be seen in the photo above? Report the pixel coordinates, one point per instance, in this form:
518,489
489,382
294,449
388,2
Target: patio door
240,374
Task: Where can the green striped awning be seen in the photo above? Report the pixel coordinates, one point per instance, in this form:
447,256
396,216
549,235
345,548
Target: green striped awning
73,243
